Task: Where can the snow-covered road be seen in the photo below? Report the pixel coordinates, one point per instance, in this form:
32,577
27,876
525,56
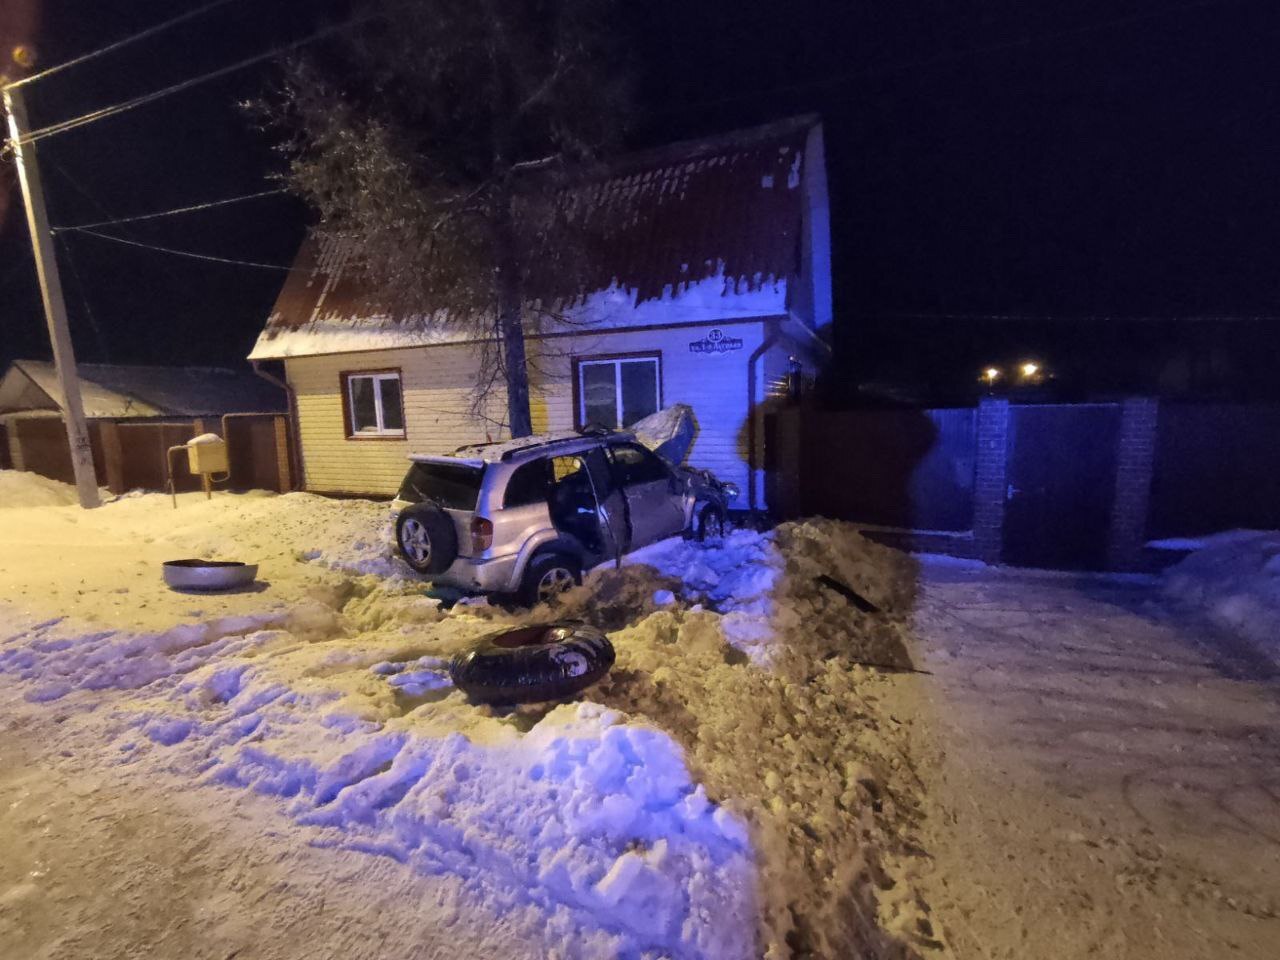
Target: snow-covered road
1081,770
1105,774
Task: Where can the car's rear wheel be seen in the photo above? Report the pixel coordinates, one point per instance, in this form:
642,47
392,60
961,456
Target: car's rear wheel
547,576
426,537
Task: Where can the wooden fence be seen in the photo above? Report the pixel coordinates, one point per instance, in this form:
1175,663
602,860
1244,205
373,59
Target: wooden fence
1066,486
132,454
896,468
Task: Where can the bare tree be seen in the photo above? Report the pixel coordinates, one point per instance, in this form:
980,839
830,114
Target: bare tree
433,142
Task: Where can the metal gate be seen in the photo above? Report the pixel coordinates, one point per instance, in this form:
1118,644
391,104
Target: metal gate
1061,485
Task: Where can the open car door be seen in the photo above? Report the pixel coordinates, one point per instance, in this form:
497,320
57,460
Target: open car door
655,499
611,506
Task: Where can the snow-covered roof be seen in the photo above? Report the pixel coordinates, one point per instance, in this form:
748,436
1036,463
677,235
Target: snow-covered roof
694,232
114,390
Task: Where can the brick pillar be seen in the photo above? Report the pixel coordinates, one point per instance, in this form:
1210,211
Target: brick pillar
990,479
1135,462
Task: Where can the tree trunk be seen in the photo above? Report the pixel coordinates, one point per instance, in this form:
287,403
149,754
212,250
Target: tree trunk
510,328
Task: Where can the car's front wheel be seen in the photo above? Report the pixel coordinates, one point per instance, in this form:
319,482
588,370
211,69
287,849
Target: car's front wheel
547,576
710,527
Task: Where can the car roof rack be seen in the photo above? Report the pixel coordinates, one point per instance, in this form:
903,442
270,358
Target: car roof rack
508,455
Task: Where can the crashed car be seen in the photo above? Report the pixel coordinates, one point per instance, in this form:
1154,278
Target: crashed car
527,517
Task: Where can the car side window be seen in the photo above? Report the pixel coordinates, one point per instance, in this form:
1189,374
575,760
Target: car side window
634,464
562,468
528,484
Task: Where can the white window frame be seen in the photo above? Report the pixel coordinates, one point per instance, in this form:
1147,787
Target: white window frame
616,363
380,429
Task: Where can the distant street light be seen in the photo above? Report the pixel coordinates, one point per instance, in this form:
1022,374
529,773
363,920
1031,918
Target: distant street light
1029,370
991,375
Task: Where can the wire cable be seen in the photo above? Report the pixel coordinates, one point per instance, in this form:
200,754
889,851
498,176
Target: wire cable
169,213
115,109
185,253
84,301
119,44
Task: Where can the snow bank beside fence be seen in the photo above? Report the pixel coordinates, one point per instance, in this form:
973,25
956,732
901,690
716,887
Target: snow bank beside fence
1234,578
19,488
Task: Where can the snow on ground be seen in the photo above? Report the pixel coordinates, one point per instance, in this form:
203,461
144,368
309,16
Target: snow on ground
732,789
1104,778
21,489
1234,578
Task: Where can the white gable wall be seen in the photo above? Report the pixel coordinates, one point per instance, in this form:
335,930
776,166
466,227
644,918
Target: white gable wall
438,380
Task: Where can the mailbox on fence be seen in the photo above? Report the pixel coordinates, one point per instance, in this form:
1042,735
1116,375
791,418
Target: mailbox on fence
207,454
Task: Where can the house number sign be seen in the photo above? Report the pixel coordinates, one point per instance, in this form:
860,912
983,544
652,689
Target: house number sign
715,342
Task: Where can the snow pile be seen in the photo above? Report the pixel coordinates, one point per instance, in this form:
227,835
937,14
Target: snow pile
1235,578
591,823
780,593
731,789
757,668
796,748
19,488
369,550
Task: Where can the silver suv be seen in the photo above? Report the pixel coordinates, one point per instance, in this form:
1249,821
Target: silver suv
527,516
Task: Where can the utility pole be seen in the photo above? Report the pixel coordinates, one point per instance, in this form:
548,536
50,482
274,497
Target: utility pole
55,307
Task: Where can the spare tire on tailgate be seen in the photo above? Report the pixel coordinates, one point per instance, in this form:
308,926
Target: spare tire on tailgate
426,537
533,664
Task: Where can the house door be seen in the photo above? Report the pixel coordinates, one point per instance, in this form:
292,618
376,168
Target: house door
1061,483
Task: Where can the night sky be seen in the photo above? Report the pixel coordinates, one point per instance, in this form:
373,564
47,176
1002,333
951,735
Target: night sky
1078,159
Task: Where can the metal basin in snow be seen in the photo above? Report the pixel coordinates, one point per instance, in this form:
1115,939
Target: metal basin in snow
209,574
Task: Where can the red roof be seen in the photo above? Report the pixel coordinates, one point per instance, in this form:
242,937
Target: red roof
728,206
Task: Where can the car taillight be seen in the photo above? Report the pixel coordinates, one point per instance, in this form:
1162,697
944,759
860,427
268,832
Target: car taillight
481,534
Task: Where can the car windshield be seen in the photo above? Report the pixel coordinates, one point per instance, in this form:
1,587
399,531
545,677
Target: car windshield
455,486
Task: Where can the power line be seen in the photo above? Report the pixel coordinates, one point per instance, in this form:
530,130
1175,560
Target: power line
115,109
84,302
119,44
171,213
184,253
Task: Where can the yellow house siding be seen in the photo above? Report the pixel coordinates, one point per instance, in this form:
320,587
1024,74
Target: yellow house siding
438,381
437,384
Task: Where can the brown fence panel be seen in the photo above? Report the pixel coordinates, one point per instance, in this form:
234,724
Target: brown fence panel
254,454
143,449
6,461
45,449
912,469
1217,468
257,446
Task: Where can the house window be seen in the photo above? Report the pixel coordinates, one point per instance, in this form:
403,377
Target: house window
615,392
374,404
